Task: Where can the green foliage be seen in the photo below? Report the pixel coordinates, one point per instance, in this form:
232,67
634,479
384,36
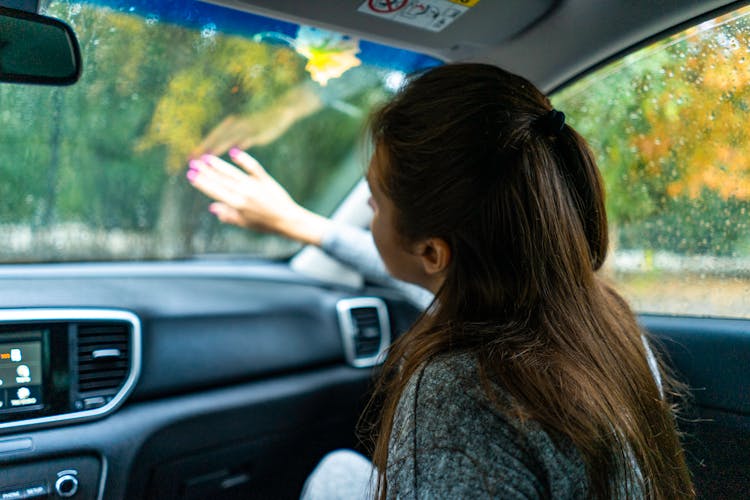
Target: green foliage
708,225
319,143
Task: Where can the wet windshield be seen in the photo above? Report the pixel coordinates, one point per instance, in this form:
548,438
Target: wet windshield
96,171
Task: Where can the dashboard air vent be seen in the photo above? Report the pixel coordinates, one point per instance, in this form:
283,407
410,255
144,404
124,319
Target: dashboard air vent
367,323
103,357
365,330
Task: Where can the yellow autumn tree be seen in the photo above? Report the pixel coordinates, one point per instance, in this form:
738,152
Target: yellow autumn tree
229,75
668,126
708,102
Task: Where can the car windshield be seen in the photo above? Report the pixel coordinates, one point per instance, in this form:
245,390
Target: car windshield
96,171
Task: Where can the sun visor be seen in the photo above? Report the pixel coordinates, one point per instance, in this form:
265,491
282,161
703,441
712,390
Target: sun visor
449,29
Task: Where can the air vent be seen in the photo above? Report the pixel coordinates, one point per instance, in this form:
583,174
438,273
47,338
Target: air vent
365,330
367,324
103,358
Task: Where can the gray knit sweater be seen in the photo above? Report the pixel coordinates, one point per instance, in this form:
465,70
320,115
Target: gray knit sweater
450,441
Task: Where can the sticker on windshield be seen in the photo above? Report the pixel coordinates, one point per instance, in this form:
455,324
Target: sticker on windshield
431,15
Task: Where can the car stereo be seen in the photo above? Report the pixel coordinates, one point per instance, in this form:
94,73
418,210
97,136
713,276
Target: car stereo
21,371
58,365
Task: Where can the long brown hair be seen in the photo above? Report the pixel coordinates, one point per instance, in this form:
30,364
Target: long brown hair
470,156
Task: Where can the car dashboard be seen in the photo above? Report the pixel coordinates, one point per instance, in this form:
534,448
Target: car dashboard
182,383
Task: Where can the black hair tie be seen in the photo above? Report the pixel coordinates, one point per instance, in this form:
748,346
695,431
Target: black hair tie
551,123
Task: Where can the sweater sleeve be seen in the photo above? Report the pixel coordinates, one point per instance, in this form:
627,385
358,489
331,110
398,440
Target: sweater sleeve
354,247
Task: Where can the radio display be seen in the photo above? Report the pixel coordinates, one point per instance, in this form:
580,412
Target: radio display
21,373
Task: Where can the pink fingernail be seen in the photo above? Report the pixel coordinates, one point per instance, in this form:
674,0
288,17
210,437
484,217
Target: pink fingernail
191,175
213,209
194,164
235,151
206,158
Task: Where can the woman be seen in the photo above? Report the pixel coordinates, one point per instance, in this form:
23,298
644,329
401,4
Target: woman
528,376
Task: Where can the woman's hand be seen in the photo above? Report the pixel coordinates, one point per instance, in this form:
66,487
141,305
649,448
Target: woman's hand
253,199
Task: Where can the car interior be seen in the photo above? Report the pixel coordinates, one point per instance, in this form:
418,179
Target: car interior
231,377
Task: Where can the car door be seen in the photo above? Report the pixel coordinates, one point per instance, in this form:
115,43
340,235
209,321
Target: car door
668,126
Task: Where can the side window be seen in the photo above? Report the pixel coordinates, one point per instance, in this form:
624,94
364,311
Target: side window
669,125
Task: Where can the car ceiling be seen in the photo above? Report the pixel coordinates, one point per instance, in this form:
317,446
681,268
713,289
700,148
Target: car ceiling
547,41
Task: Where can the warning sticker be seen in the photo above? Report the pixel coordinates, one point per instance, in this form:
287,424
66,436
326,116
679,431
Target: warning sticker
431,15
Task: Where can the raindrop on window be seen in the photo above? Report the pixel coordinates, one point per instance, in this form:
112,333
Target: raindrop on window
394,80
208,31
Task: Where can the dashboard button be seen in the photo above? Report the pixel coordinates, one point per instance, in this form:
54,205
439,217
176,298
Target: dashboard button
66,486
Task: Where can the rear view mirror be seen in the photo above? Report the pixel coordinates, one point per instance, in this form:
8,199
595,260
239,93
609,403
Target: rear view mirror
37,49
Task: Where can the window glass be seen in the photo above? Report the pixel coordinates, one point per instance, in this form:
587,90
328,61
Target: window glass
96,171
669,126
